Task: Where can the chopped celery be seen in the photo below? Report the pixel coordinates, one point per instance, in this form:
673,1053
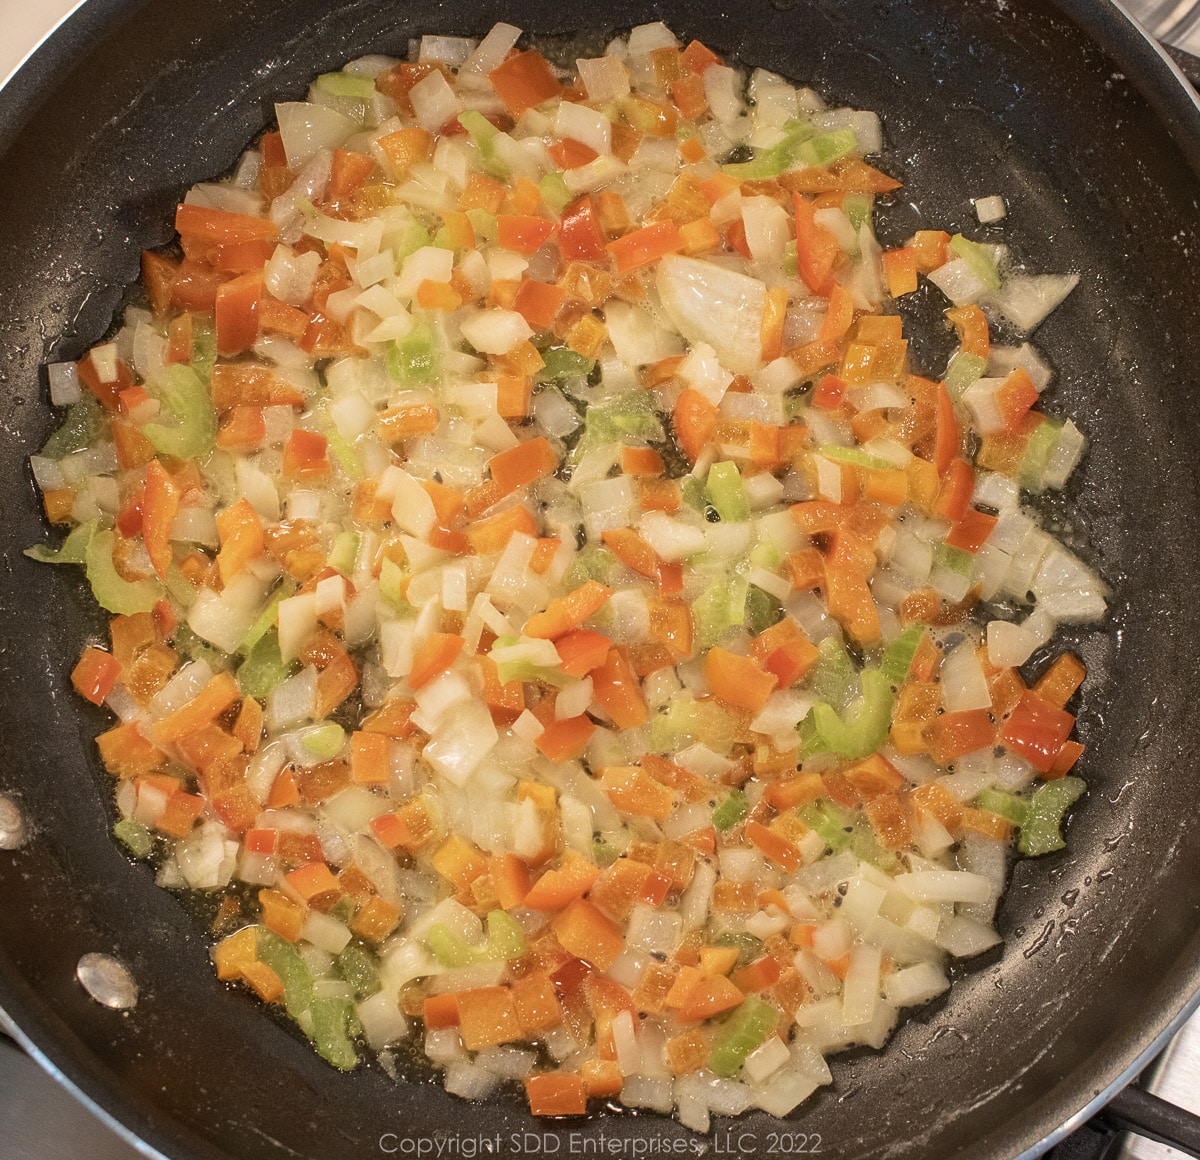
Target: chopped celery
590,564
695,494
977,257
555,193
293,972
749,947
81,427
484,225
1041,831
204,350
413,359
833,825
345,551
135,837
343,84
720,606
185,398
1006,805
772,162
180,587
391,585
1037,454
483,133
898,656
731,811
746,1030
413,238
331,1033
953,559
837,828
826,148
348,459
727,492
112,592
325,741
854,456
704,721
863,727
263,667
604,853
265,621
857,208
504,941
762,610
564,363
833,674
963,370
791,262
449,950
74,547
360,970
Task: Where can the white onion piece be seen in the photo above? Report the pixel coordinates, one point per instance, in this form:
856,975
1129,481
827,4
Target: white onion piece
1026,299
710,304
307,128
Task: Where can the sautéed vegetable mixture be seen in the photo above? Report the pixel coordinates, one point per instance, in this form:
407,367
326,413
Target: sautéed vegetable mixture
548,607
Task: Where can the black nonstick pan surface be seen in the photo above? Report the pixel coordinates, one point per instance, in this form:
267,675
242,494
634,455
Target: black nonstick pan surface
1065,110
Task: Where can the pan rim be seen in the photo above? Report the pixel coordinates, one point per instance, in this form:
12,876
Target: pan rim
1108,24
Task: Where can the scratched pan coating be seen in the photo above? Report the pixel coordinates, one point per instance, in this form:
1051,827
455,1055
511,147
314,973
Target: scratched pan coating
135,99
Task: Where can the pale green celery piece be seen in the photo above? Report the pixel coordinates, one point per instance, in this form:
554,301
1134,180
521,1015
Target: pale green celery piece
898,656
963,370
413,359
413,238
953,559
826,148
345,551
82,426
74,547
263,668
265,621
111,591
790,262
484,225
555,193
1037,453
134,837
978,259
180,587
727,492
204,350
283,958
343,84
185,398
324,741
483,133
863,727
774,161
762,610
854,456
857,207
391,581
360,970
331,1029
1041,828
833,675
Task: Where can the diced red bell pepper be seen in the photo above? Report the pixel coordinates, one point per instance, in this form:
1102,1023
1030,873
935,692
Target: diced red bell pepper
579,235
